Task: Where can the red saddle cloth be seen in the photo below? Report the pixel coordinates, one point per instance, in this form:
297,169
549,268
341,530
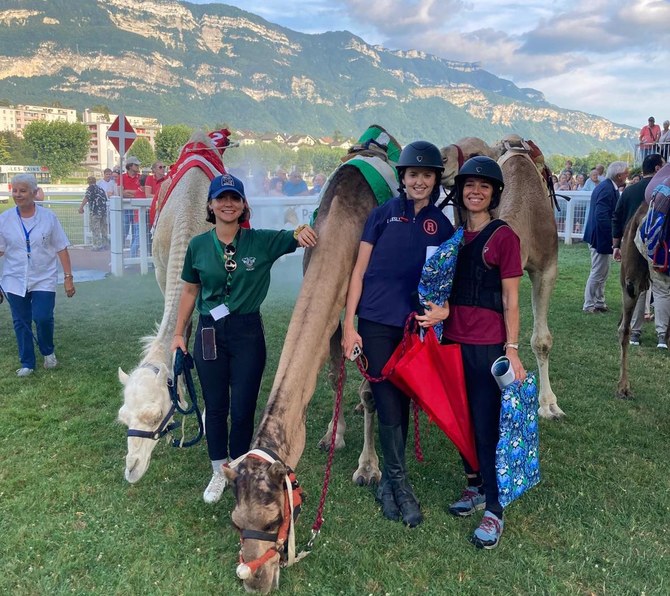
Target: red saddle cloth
195,155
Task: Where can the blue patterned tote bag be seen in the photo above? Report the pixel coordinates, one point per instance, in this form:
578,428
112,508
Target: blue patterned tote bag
518,451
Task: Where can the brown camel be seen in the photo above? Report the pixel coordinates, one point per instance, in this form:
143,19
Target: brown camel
636,274
526,206
313,333
345,205
634,278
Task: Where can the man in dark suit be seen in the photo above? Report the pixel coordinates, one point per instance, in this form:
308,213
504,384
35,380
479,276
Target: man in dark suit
598,233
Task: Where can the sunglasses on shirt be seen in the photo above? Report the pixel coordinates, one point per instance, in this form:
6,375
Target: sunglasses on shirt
229,252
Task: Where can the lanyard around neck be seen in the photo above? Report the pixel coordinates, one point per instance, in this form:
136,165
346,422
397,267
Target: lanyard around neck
25,231
227,257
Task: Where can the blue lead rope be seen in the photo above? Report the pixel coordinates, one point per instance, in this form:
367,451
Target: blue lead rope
183,364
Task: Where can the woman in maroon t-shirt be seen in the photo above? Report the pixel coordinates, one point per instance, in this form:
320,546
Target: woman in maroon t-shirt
483,316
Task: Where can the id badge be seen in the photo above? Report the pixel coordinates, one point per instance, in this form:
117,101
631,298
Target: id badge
219,312
208,337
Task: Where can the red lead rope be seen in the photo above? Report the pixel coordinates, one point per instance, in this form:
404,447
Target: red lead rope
318,522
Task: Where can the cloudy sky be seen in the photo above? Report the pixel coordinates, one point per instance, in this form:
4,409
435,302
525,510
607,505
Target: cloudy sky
605,57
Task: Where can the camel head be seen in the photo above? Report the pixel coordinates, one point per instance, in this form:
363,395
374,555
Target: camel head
455,155
262,517
146,403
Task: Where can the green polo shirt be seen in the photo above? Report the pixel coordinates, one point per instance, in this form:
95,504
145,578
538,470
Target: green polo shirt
256,251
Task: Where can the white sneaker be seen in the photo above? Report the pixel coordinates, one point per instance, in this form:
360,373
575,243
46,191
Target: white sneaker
215,488
24,372
50,361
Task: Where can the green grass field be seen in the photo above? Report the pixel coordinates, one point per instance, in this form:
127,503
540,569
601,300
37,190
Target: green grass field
69,523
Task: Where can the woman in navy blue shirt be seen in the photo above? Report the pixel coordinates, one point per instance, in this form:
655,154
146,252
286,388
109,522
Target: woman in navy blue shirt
383,292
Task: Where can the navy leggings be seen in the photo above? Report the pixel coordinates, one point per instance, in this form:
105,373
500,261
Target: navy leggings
379,342
484,399
35,306
230,384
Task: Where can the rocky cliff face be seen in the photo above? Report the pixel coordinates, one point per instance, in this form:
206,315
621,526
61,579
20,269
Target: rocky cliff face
206,64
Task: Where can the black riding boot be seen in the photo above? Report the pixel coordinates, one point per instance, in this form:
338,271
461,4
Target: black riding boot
393,449
386,499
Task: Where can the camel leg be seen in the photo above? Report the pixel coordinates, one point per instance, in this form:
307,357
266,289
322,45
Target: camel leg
629,299
333,374
368,462
634,277
541,341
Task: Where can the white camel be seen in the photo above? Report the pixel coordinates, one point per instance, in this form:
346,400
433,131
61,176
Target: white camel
146,399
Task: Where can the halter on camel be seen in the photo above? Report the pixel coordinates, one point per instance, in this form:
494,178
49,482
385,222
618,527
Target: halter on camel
534,154
293,499
183,365
512,147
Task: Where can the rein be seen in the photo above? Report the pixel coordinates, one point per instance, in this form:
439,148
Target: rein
461,157
183,365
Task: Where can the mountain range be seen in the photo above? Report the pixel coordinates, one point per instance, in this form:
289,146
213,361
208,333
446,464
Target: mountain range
211,64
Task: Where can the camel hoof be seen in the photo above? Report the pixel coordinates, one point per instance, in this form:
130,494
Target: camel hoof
624,394
324,443
367,475
551,412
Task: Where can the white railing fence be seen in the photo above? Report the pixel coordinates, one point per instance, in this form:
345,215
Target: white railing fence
571,218
641,151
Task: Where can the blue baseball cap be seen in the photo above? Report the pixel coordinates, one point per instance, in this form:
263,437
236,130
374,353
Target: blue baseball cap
225,183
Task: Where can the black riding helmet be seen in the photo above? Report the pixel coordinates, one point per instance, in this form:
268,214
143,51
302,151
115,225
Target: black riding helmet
420,154
480,166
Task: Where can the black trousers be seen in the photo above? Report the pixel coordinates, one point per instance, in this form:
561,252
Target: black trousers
484,397
379,342
230,384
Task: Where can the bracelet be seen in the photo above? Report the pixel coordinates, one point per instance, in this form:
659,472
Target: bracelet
68,276
512,345
178,335
299,229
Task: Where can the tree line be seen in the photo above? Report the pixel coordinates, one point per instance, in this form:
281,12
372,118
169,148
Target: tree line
62,147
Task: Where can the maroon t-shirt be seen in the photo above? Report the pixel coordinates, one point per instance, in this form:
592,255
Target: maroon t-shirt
483,326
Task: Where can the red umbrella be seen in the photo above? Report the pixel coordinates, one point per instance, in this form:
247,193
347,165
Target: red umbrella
432,374
405,352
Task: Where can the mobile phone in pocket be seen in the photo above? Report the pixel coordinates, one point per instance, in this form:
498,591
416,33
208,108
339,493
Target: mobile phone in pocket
208,337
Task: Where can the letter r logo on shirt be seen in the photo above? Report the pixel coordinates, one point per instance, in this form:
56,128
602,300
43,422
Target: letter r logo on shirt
430,227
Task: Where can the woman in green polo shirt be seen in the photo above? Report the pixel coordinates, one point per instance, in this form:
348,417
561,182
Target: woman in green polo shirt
226,277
